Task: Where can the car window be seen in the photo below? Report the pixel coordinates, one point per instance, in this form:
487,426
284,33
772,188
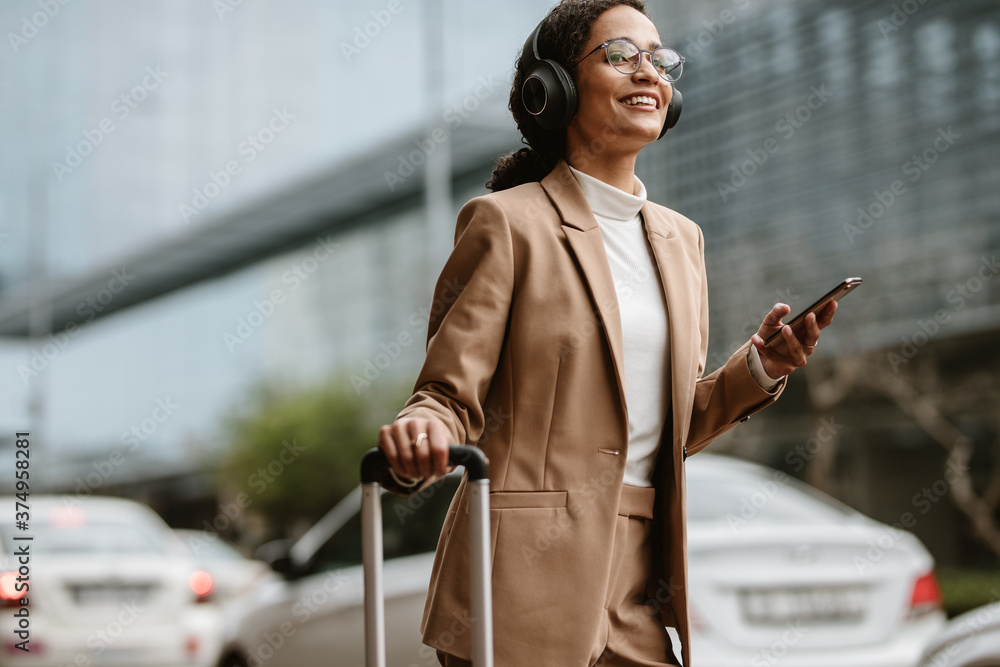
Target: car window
790,501
90,538
409,526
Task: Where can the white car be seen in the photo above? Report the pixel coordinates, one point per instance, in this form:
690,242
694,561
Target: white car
230,573
100,581
779,574
969,640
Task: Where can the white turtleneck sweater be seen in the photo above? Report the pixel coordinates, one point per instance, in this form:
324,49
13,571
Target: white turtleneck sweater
642,308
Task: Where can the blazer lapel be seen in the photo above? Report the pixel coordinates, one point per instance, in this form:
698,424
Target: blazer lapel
584,236
683,298
682,291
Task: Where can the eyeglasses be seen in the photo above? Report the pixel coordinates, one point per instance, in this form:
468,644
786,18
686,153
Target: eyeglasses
626,57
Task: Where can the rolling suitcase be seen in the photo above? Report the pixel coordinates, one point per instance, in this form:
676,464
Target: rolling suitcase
373,466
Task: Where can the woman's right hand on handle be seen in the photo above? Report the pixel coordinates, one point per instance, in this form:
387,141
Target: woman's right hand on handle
416,448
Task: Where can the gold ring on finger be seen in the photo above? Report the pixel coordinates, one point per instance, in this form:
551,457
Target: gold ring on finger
416,443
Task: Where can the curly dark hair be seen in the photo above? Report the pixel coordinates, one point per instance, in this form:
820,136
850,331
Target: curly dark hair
564,33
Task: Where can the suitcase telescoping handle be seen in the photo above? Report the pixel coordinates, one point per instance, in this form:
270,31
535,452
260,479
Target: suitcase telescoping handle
373,466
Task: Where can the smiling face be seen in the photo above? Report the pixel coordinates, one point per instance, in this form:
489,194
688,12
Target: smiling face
618,113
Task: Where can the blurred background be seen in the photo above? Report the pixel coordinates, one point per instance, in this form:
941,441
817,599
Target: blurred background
220,224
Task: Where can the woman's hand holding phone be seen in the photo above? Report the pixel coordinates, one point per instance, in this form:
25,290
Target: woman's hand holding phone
783,347
796,344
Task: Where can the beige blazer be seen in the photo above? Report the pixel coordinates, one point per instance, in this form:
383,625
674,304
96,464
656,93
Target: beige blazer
524,359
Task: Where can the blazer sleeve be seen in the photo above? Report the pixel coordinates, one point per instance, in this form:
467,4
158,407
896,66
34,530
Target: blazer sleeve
468,323
730,394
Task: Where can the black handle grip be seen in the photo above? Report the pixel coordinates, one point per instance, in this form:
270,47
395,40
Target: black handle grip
374,463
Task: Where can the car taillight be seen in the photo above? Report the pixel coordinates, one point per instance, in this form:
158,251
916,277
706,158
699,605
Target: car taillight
10,596
201,585
926,596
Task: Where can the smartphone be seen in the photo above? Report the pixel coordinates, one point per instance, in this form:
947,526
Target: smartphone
797,322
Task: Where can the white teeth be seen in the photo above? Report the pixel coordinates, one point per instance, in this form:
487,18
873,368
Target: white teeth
639,99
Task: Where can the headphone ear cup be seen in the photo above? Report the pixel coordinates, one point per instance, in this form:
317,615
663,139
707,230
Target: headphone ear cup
673,112
549,94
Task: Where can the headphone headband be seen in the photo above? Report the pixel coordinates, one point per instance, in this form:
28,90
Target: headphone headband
530,50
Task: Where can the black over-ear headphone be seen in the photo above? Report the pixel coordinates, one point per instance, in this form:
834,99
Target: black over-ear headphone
549,94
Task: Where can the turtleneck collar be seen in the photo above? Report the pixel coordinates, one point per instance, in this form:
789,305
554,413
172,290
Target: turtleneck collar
609,202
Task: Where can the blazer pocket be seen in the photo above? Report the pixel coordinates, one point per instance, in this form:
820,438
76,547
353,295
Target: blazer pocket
500,500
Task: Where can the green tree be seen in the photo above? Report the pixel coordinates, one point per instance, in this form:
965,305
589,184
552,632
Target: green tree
295,454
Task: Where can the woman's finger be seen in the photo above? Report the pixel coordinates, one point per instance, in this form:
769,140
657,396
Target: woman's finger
387,443
825,316
422,452
795,349
772,321
407,450
439,442
812,333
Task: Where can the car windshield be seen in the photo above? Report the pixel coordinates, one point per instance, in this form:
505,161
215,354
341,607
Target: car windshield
89,538
729,498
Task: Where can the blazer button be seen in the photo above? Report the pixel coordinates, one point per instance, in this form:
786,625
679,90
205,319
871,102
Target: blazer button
685,453
745,419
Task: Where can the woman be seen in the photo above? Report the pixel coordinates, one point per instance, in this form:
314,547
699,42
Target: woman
573,356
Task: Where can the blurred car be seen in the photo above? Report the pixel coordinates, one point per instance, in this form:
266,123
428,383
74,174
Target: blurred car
316,610
779,572
230,573
107,583
969,640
